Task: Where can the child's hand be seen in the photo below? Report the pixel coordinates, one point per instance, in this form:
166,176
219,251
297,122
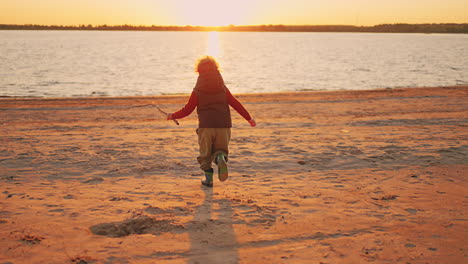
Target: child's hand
169,116
252,122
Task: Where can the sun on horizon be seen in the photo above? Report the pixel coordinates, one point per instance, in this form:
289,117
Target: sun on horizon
212,13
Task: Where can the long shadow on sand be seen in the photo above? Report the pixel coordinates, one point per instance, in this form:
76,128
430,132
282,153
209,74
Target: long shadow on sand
213,240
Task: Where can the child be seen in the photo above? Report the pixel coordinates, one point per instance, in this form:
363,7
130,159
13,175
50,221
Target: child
212,99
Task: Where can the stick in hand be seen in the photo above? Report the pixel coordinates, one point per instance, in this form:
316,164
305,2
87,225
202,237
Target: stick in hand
175,121
160,110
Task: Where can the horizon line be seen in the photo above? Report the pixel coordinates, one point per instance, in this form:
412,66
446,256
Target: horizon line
230,25
450,28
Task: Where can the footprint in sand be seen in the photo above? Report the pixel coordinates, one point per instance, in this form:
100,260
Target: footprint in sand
411,211
139,225
31,240
96,180
83,260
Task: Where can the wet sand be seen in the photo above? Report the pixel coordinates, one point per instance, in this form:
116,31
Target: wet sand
326,177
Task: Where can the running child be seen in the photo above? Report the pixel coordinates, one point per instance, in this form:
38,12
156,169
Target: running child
212,99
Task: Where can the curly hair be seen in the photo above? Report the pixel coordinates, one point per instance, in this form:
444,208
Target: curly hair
206,64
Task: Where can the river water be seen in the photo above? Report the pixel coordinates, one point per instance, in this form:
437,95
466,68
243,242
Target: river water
131,63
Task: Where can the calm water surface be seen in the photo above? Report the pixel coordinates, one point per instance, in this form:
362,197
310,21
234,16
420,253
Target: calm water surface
103,63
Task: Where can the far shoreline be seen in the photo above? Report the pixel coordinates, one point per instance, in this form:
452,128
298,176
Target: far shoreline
428,28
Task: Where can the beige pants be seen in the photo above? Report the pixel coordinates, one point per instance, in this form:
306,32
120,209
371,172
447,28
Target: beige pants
212,141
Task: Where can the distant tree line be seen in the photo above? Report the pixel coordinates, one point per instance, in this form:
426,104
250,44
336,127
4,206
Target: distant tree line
384,28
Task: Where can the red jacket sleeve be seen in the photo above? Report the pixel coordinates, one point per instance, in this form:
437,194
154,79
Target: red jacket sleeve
237,106
193,102
188,108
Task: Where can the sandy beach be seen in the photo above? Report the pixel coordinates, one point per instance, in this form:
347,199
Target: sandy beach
326,177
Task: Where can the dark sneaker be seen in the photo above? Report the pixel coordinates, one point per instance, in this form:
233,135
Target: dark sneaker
208,178
222,167
207,183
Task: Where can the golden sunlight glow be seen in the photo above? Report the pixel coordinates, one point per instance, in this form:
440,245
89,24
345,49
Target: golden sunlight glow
227,12
213,47
213,12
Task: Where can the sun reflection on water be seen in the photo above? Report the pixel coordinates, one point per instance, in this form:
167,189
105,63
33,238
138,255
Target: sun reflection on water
213,47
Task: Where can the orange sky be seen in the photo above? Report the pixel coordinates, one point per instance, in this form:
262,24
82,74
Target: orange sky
237,12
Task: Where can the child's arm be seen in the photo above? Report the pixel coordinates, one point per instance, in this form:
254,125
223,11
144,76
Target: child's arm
240,108
186,110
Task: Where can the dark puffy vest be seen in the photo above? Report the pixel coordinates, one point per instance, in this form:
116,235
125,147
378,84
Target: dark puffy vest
213,108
